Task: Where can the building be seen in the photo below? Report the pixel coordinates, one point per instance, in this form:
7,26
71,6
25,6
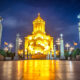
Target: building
38,42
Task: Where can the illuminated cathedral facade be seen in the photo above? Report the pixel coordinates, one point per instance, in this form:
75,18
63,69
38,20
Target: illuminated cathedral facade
38,42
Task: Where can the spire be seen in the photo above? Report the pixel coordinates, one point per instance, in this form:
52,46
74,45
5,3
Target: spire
38,19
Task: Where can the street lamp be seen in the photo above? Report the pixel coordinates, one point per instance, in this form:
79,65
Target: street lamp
10,47
6,49
71,49
67,46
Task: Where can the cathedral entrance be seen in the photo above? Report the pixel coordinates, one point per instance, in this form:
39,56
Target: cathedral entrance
38,56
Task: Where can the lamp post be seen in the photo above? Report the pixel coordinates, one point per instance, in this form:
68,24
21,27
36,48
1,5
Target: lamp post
61,47
67,46
10,47
6,49
54,51
71,49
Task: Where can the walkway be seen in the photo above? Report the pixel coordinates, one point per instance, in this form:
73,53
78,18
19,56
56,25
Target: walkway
40,70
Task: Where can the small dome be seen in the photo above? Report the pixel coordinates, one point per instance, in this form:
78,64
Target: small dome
38,19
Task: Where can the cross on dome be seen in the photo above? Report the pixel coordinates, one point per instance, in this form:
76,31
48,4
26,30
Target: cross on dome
38,14
39,19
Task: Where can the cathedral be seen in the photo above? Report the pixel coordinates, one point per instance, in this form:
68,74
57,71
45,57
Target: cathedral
38,42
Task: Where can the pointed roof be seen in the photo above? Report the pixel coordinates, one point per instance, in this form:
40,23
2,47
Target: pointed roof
38,19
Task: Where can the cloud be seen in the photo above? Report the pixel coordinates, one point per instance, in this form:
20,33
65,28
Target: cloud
71,29
10,22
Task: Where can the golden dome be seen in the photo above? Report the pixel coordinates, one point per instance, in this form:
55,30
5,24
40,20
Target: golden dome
38,19
38,25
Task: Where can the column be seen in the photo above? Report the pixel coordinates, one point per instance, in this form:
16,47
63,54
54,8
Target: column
17,47
61,47
51,55
24,50
79,26
79,32
47,57
54,51
0,30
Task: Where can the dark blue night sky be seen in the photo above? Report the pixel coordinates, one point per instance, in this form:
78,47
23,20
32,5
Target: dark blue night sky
60,17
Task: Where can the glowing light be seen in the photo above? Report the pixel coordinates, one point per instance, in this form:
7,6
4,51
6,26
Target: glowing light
25,50
47,47
20,41
29,37
38,42
58,41
5,43
6,49
71,48
79,23
20,52
30,47
67,46
78,16
47,37
38,25
10,45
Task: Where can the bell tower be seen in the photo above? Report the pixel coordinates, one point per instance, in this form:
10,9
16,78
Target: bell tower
38,25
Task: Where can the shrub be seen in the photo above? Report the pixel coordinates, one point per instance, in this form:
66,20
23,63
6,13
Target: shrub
66,54
76,52
3,53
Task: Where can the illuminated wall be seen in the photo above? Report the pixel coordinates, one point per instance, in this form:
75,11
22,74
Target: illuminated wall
38,42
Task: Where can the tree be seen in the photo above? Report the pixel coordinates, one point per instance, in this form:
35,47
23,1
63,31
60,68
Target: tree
66,54
76,52
3,53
